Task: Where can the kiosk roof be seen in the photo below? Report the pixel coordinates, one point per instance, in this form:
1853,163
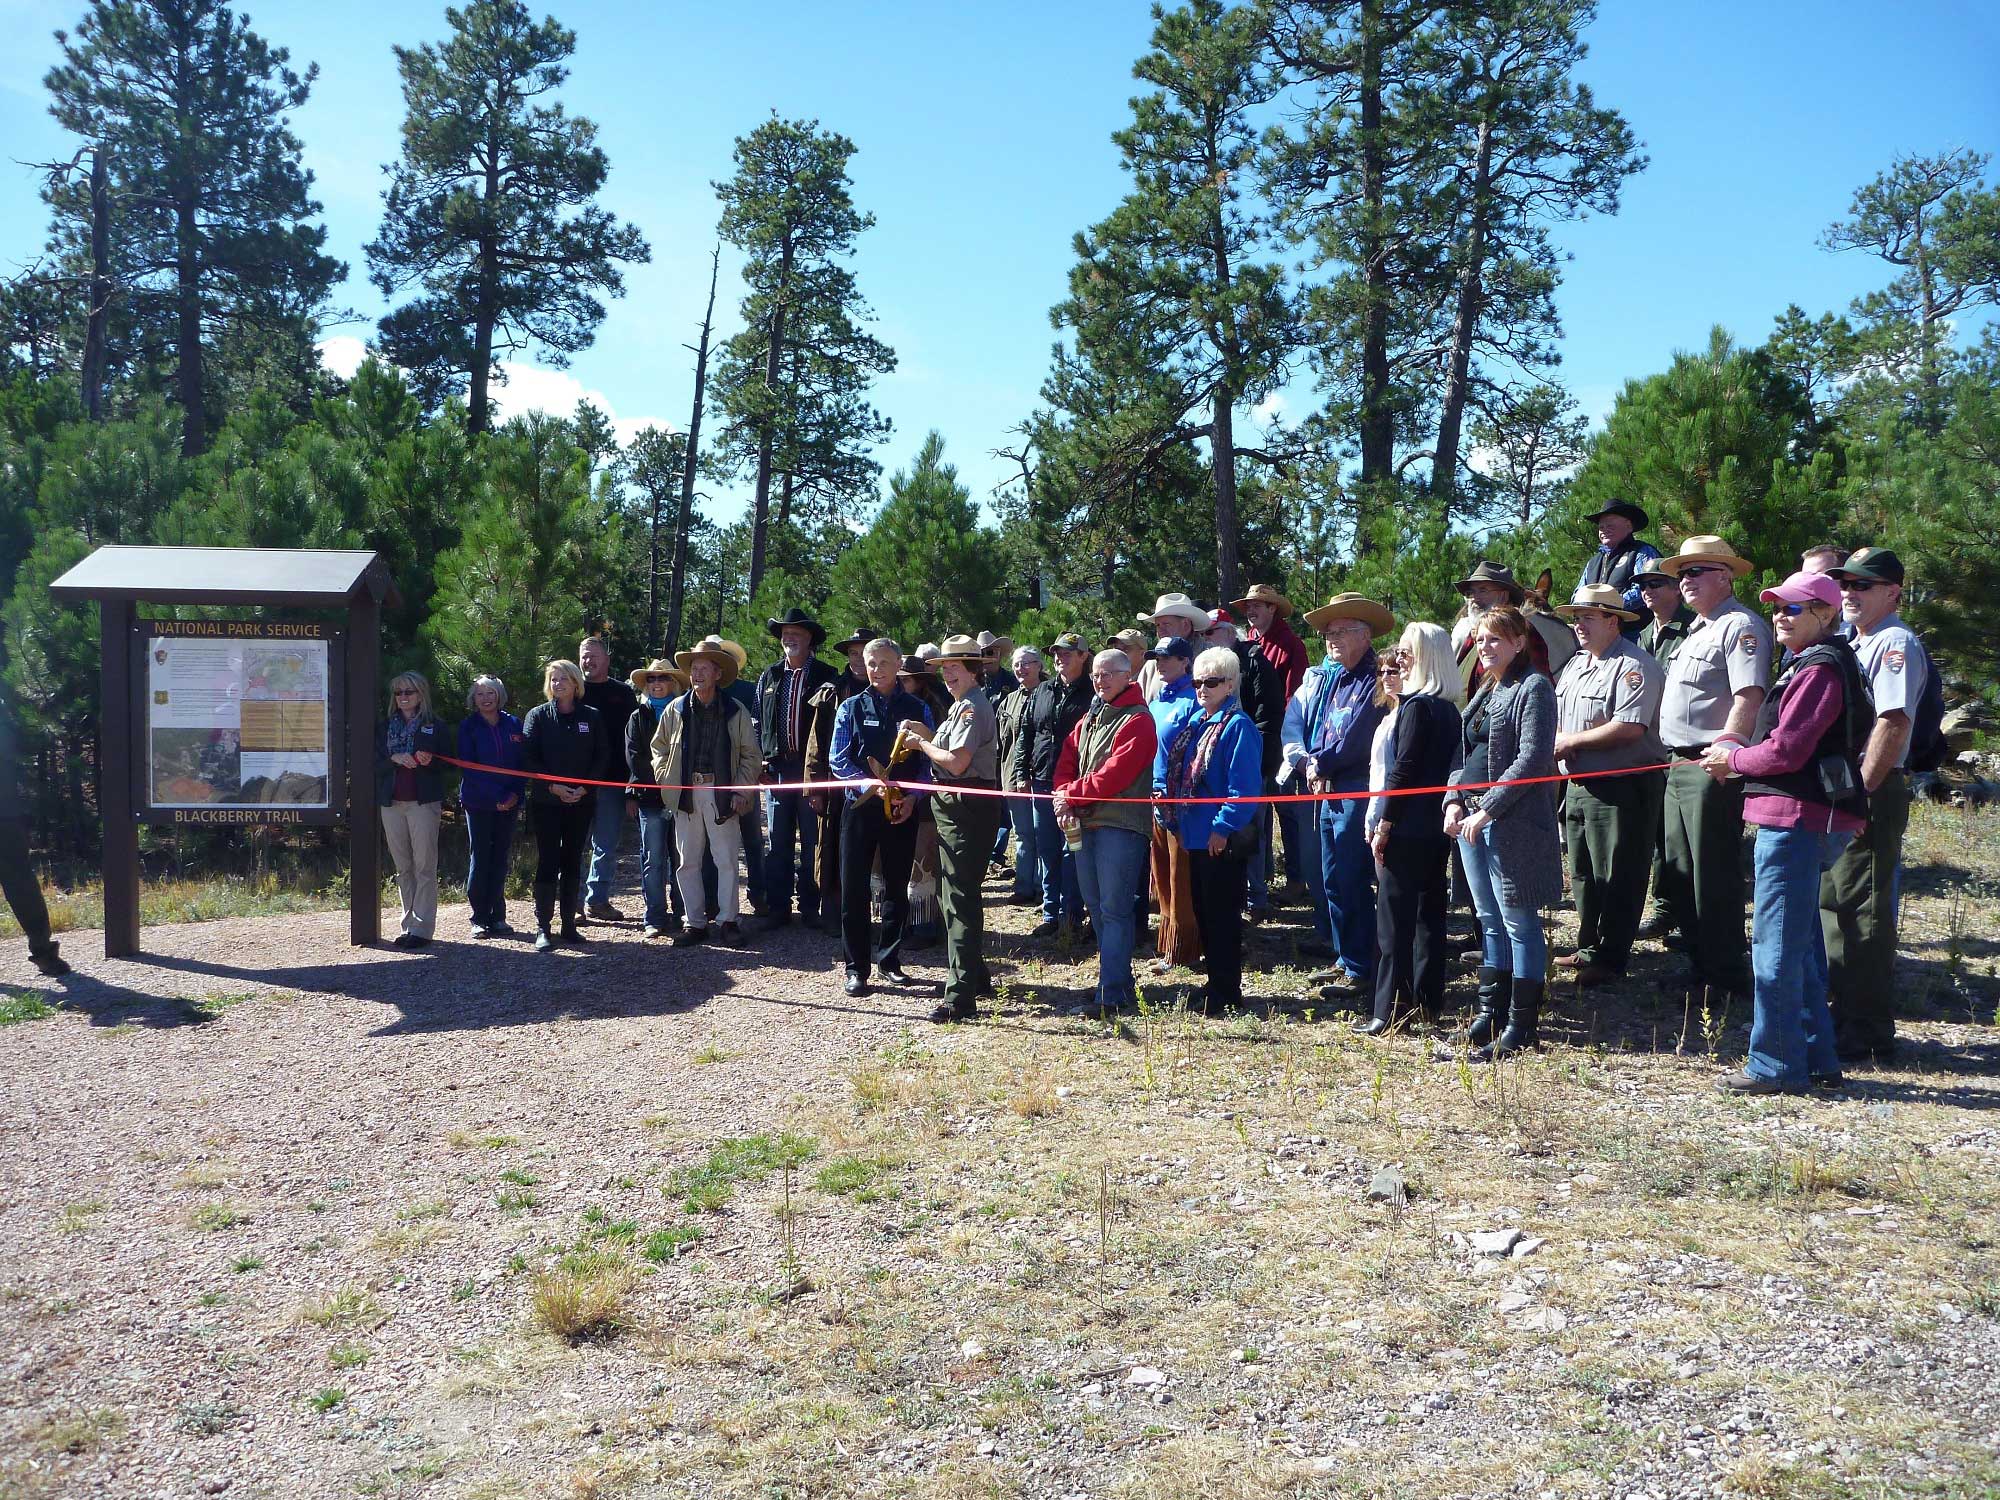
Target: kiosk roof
226,575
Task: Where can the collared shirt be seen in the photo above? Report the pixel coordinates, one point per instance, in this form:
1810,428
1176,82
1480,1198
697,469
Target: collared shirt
707,730
791,709
1287,655
1663,637
1330,722
864,727
1896,667
1623,686
970,722
1723,654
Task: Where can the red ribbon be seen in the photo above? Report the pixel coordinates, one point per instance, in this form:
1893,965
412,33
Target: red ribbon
631,787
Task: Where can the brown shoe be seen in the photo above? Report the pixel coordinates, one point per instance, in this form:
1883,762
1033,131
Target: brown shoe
1589,974
729,932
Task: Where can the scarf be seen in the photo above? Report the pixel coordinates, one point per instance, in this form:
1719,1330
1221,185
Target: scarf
402,735
1194,746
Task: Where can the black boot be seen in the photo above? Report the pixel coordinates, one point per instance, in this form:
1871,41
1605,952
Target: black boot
1523,1017
1494,985
545,913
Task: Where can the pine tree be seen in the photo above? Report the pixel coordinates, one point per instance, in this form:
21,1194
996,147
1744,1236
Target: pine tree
491,213
211,207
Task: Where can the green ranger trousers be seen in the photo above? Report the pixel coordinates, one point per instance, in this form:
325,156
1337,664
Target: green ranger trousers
967,827
1858,904
1704,889
1608,824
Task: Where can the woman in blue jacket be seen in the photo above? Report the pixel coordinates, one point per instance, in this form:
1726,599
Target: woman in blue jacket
409,787
1217,752
489,736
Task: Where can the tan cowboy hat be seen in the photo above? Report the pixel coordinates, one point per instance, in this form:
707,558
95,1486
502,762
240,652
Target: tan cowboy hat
1705,549
1180,605
963,649
999,647
1596,596
640,674
711,648
1129,639
1263,593
1353,607
1498,574
742,656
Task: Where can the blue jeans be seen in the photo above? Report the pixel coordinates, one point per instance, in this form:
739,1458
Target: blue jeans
1109,868
1510,937
794,836
1791,1029
1347,875
607,827
490,840
1062,895
1027,863
1258,868
656,862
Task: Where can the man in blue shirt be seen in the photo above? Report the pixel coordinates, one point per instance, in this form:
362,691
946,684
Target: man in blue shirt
1329,727
864,728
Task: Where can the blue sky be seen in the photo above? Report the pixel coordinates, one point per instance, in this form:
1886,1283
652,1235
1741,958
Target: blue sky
983,135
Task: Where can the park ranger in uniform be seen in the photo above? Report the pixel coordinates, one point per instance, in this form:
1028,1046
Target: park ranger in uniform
1662,636
1858,896
1607,718
1716,684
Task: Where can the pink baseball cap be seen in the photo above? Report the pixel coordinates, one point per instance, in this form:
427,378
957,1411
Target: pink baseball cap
1804,588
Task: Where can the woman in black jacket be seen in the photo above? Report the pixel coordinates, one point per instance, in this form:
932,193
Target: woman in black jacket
1406,833
565,737
410,790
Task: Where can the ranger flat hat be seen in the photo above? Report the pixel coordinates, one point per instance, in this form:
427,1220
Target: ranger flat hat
640,674
1488,571
965,649
710,648
1870,565
804,621
1596,596
1639,519
861,637
1706,549
1179,605
1263,593
1352,606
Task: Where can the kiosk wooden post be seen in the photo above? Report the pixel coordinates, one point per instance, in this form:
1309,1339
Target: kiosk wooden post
356,584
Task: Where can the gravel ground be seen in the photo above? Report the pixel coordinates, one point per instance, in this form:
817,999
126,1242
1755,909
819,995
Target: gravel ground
268,1204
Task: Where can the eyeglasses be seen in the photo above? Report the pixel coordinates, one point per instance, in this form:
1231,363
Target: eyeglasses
1211,682
1856,585
1700,572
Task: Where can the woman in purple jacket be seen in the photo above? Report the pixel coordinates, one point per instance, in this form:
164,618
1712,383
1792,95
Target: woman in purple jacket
489,736
1802,792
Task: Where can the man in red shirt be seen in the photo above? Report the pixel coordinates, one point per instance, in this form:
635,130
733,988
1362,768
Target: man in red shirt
1269,613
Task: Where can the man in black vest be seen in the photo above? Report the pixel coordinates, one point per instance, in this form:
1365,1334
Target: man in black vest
784,717
1621,556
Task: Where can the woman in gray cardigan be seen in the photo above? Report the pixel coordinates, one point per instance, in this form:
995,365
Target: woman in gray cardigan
1513,864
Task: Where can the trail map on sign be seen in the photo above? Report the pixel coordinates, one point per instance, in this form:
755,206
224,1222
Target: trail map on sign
233,721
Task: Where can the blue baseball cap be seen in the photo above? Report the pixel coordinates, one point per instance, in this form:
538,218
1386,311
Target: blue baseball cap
1172,645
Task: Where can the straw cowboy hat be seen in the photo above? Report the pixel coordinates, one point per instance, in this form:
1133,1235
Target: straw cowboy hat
1353,607
1705,549
711,648
999,647
1488,571
1180,606
963,649
1596,596
640,674
735,650
1263,593
804,622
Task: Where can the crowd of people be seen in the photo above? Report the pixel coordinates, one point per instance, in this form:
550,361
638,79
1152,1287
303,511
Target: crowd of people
1634,731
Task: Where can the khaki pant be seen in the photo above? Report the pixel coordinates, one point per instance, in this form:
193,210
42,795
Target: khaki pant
412,831
701,832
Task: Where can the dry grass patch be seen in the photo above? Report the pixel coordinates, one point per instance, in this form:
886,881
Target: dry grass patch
79,1433
350,1307
582,1296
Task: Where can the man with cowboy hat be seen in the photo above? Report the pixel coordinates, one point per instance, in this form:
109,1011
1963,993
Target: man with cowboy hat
705,739
996,682
1607,718
1329,727
1058,705
784,719
655,685
1269,613
829,807
1173,615
964,756
1621,556
1715,687
744,690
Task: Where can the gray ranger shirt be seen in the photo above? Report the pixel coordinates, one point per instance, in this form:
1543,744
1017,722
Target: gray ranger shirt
1722,655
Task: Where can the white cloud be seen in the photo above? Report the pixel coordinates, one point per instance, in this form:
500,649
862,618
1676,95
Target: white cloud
526,388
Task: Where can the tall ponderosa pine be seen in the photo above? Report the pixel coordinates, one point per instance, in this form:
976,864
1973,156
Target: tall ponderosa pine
490,212
792,385
210,209
1169,277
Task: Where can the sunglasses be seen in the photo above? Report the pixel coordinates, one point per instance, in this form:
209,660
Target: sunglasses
1700,572
407,693
658,677
1211,682
1660,583
1389,669
1793,610
1856,585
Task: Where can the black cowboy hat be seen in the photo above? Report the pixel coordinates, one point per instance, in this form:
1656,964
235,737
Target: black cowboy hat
1639,519
804,621
861,637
